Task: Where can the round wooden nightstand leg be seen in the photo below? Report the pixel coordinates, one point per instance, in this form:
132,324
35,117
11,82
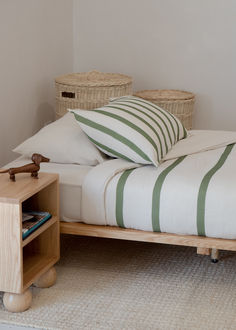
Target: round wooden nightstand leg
47,279
16,303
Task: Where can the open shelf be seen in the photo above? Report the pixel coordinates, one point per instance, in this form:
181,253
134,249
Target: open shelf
34,266
39,231
40,252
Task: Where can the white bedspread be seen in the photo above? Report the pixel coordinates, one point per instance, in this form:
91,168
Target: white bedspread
71,177
193,192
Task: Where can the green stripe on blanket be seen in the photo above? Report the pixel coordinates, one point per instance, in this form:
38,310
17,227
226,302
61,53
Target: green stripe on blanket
120,197
203,190
157,194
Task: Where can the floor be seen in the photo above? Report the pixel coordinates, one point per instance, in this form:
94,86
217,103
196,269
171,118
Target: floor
13,327
120,285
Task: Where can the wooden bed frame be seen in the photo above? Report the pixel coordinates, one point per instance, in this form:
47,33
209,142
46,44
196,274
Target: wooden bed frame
204,245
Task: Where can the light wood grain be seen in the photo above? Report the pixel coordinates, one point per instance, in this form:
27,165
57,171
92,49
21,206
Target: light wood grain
10,248
24,187
146,236
214,254
16,303
47,279
39,231
35,266
41,254
203,251
47,243
23,262
47,199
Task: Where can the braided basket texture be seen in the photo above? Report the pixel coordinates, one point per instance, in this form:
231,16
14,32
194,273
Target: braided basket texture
89,90
179,103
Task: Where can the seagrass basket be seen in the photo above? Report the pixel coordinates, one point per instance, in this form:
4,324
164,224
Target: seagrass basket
89,90
179,103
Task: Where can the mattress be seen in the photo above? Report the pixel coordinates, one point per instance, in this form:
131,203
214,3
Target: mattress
71,179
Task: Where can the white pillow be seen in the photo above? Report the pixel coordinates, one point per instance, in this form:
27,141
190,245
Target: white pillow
132,128
63,141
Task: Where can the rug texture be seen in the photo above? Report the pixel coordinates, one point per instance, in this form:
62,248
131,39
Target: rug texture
113,284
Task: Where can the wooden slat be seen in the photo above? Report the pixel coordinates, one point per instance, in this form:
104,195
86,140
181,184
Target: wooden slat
146,236
204,251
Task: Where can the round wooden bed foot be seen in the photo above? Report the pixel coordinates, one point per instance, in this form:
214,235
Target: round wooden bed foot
47,279
214,255
16,303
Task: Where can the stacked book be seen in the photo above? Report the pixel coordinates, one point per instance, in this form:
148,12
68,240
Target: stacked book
32,220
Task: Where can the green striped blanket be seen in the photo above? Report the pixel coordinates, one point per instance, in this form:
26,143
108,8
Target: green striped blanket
191,195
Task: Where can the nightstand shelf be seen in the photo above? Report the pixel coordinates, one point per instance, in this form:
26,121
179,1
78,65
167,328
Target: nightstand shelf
34,266
39,231
24,262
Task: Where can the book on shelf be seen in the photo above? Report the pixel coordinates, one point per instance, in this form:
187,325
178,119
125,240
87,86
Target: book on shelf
32,220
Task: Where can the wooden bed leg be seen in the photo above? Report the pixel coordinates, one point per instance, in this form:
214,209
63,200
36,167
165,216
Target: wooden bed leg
214,255
204,251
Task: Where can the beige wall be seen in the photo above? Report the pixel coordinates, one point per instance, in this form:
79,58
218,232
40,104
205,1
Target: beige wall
184,44
36,44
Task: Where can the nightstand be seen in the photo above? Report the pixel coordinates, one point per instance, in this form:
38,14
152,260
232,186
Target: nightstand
28,261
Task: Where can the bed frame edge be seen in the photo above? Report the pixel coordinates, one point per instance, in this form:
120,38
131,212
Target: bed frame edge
203,244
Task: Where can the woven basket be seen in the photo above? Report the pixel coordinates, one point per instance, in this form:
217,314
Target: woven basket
179,103
89,90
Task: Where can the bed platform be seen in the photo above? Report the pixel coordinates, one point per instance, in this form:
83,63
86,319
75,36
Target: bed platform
204,245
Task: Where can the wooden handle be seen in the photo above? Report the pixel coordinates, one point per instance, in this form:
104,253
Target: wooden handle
69,95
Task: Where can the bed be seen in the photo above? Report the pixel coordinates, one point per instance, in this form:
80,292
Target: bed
83,189
161,183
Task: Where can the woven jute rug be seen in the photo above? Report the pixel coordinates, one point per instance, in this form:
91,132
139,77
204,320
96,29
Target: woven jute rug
112,284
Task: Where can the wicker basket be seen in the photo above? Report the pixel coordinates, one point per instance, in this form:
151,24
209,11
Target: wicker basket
89,90
179,103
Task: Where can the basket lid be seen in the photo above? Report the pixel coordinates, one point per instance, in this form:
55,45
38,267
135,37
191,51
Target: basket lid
93,78
165,94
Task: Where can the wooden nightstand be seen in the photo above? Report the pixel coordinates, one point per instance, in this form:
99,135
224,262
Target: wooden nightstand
24,262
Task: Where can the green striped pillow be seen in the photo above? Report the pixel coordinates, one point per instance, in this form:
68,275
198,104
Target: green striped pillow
132,128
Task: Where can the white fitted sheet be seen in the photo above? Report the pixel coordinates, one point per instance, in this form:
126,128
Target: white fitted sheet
71,179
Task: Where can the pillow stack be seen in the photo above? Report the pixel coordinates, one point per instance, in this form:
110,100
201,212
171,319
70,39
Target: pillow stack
132,128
